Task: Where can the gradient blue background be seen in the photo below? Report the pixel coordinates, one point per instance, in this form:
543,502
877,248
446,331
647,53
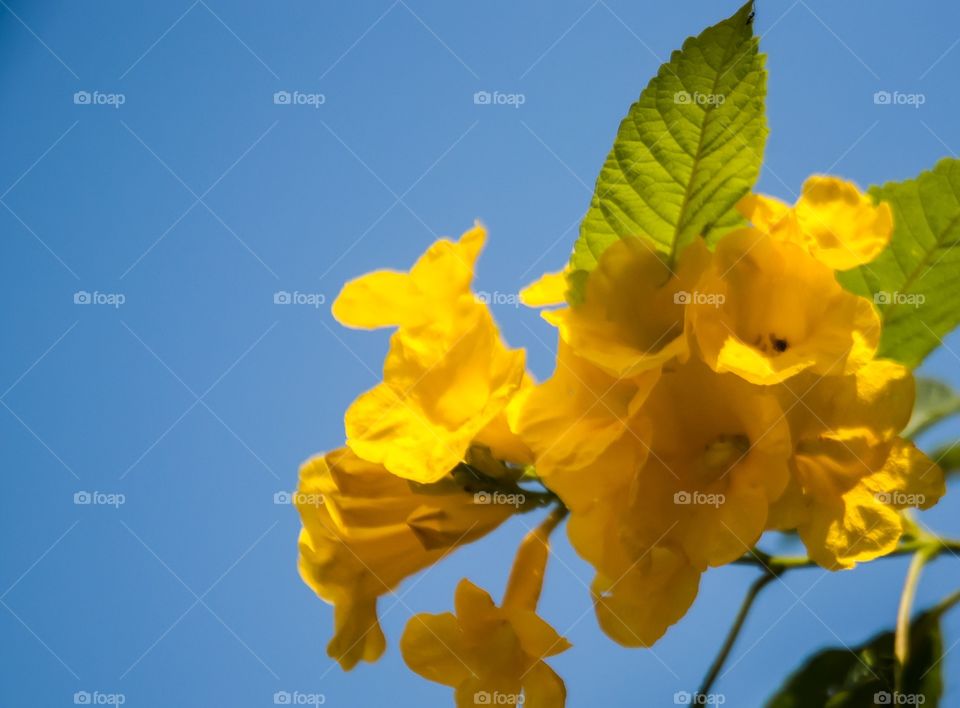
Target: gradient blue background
198,398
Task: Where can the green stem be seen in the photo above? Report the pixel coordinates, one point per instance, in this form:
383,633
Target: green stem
779,564
922,545
901,640
751,596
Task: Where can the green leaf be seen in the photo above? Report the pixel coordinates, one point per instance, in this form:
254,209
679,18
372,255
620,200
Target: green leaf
936,401
687,151
853,678
914,281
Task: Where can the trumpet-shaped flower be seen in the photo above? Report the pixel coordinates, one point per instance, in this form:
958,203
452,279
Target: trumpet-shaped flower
447,378
365,530
632,317
838,224
582,423
851,472
638,592
777,311
663,477
718,458
492,654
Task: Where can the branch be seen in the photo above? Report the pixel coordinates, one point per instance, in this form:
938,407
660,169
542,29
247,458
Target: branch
758,585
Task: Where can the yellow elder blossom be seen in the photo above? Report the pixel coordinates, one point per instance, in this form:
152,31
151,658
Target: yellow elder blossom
851,472
489,654
838,224
719,453
769,310
632,317
699,497
448,377
365,530
638,594
580,423
689,411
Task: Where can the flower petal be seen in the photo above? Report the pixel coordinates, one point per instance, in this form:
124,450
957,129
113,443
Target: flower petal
543,688
844,227
434,646
549,289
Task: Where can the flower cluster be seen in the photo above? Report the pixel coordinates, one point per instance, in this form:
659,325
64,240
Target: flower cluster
694,408
694,405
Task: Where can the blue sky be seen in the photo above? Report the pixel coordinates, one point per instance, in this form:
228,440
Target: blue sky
183,190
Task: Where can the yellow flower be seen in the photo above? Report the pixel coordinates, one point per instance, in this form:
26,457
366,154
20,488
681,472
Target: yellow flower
838,224
632,316
663,477
718,458
851,471
491,654
638,592
365,530
581,423
768,310
447,379
432,293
